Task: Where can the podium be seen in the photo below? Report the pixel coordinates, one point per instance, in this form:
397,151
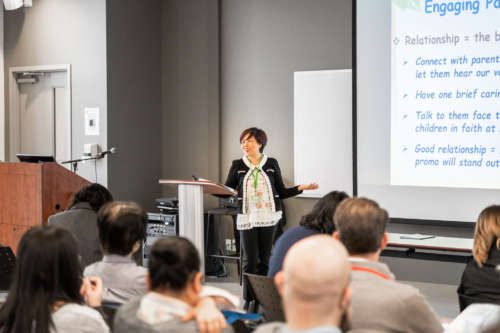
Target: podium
190,195
30,193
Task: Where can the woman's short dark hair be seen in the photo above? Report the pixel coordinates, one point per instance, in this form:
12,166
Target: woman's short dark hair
46,271
259,135
173,262
121,225
95,194
320,218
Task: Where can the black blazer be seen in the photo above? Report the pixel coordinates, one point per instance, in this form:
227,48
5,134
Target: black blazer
239,169
482,285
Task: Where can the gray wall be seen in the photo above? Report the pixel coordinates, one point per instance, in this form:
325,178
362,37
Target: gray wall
184,78
190,90
65,32
134,99
262,44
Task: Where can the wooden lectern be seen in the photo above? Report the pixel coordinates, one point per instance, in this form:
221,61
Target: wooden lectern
30,193
191,208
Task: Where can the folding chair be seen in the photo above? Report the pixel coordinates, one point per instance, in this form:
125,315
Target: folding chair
266,294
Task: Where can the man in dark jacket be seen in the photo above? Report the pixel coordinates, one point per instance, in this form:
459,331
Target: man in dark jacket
81,220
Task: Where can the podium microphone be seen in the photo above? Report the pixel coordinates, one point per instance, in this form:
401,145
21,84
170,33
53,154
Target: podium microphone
110,151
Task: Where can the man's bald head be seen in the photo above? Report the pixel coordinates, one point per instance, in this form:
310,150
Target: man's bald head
315,273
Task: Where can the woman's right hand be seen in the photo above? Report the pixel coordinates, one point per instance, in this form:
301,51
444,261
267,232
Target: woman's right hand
91,290
311,186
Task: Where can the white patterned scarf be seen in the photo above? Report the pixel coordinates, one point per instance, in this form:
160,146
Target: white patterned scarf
258,208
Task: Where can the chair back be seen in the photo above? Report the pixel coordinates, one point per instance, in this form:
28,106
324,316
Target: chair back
240,327
109,309
266,294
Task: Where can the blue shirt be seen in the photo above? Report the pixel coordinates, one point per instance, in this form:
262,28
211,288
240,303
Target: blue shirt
289,237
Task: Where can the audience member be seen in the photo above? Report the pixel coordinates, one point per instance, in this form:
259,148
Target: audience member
481,279
174,284
81,220
47,294
122,228
379,303
318,221
314,288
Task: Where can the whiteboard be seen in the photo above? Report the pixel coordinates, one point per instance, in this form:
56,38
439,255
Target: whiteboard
323,130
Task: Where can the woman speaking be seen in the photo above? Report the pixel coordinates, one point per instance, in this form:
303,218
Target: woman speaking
257,178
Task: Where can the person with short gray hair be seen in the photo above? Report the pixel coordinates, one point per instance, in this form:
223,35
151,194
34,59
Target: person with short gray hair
122,229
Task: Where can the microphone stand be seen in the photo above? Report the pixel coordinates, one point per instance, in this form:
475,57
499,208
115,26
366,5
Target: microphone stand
74,163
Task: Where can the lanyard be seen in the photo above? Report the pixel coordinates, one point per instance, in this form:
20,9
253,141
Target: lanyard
255,173
369,270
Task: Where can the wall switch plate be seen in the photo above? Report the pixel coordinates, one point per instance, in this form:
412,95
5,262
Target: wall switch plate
91,121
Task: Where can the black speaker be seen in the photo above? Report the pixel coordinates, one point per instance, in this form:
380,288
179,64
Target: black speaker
159,226
7,263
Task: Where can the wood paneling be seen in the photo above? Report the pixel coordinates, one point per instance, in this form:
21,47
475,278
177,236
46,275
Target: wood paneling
29,194
10,235
58,185
20,200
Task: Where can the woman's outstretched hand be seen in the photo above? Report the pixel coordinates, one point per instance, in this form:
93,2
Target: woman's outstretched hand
311,186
